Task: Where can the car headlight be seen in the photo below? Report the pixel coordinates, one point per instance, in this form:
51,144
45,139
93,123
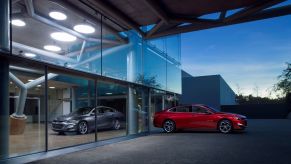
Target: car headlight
237,118
71,121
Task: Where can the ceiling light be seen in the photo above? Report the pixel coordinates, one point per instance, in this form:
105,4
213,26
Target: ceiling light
30,55
85,29
62,36
52,48
58,15
30,80
38,85
109,93
18,22
52,87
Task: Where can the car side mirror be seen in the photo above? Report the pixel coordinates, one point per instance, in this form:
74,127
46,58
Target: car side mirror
92,114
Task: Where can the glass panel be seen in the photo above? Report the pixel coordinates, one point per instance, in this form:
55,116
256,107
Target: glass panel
142,104
173,47
56,34
27,110
154,66
138,107
111,110
122,60
71,102
157,104
174,78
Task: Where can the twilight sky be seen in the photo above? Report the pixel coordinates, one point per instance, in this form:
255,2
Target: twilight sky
247,55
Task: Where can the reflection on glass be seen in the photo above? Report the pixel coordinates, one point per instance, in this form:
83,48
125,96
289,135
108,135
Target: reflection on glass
71,108
154,66
157,104
73,41
27,121
111,110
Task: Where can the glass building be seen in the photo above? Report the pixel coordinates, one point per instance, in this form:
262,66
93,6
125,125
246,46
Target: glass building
65,72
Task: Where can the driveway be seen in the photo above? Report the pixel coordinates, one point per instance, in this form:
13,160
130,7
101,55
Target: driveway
264,142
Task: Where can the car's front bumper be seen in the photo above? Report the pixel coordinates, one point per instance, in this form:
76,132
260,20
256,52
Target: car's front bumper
64,127
240,124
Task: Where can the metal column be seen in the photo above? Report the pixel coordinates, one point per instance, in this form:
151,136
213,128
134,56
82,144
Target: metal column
4,79
4,109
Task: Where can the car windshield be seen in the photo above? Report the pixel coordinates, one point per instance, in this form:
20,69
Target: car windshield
82,111
211,108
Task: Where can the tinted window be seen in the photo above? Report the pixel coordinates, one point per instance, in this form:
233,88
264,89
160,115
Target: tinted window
100,110
181,109
199,110
82,111
106,110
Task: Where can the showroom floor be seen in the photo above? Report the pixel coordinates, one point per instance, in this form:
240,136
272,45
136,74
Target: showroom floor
33,139
266,142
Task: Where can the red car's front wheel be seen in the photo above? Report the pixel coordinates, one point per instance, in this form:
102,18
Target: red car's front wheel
169,126
225,126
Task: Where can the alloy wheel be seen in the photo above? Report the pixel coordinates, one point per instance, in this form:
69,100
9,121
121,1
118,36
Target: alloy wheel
116,125
83,128
169,126
225,126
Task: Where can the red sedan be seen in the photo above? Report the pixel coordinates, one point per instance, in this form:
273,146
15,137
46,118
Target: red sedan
198,117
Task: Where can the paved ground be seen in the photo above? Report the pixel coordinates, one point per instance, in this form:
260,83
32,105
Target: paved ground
265,142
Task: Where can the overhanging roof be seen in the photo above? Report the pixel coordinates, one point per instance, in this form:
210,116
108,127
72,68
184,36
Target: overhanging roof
179,16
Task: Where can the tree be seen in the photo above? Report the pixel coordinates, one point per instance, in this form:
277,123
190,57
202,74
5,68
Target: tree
284,83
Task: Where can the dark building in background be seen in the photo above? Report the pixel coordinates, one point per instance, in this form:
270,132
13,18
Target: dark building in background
210,90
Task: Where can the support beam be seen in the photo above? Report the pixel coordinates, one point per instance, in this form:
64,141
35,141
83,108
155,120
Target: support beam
269,13
194,20
251,10
222,15
115,13
155,28
155,7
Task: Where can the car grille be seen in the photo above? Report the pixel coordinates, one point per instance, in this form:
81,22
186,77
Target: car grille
57,126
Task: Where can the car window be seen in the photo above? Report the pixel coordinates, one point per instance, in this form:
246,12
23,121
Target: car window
82,111
181,109
100,110
106,110
197,109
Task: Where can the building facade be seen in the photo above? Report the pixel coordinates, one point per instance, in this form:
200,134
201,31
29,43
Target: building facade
210,90
57,59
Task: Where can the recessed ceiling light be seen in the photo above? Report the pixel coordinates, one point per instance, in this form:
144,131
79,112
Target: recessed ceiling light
18,22
30,55
38,85
85,29
30,80
109,93
62,36
58,15
52,48
52,87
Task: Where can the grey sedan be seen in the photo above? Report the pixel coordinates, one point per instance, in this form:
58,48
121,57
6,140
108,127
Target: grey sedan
83,120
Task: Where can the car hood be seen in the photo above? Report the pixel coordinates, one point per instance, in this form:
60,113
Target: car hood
66,117
231,114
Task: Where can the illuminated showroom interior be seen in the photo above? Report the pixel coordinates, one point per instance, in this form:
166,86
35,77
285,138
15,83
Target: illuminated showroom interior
62,59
